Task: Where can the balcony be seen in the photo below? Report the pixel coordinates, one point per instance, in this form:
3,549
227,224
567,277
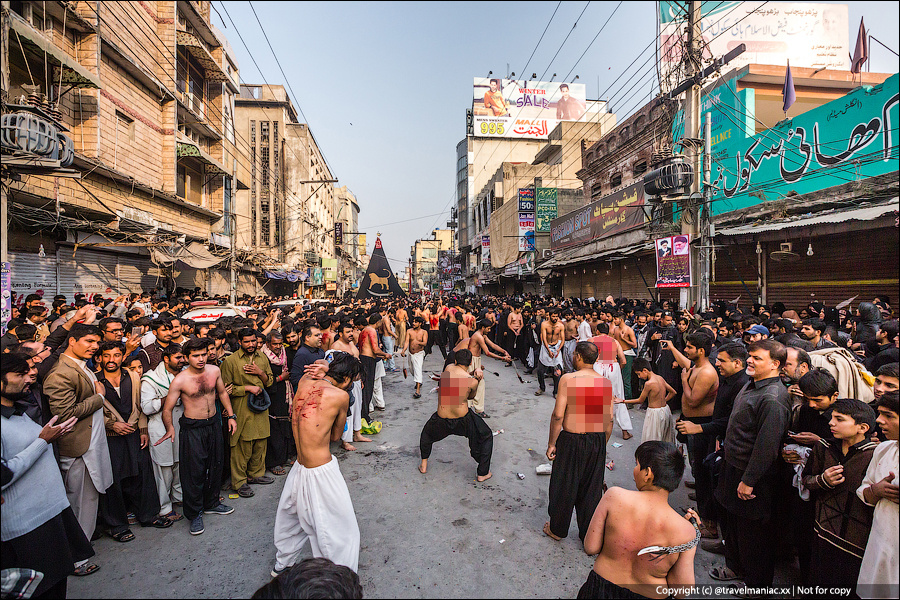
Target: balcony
214,71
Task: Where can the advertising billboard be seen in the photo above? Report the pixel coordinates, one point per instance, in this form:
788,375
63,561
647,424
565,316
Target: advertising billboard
616,213
485,249
526,232
526,109
546,209
809,35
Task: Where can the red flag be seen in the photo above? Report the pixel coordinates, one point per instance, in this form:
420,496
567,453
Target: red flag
861,54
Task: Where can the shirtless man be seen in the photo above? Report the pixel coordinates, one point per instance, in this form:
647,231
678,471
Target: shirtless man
479,343
369,354
454,417
416,338
315,504
628,341
626,522
402,318
385,330
568,349
701,384
658,424
580,428
353,429
550,361
515,340
201,447
610,363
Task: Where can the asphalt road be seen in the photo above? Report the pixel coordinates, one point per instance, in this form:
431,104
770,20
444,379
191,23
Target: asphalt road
437,535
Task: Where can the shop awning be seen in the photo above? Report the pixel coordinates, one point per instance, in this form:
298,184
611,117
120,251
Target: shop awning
869,213
214,71
212,166
194,255
73,74
621,246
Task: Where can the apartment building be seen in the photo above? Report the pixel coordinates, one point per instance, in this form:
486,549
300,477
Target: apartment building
144,92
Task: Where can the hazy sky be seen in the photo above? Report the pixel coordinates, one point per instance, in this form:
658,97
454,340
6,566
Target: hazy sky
385,86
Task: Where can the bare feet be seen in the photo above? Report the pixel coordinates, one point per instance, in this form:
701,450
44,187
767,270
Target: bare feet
626,435
480,479
548,533
423,468
348,447
358,437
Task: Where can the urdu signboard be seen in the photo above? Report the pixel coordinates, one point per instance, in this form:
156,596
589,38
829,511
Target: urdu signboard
616,213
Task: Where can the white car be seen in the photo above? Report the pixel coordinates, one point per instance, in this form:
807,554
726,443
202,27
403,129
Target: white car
208,314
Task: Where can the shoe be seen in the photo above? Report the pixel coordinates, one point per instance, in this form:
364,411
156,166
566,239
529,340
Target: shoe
692,496
713,546
221,509
264,480
483,415
381,408
277,570
132,519
417,395
539,393
197,525
245,491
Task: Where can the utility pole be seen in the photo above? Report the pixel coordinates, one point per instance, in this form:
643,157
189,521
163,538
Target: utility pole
232,296
690,223
706,227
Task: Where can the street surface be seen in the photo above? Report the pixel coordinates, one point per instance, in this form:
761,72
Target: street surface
437,535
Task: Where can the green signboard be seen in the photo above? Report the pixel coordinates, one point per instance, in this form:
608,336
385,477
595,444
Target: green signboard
846,140
546,209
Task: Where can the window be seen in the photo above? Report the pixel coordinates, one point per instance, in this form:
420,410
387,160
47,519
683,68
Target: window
640,168
124,136
226,206
616,180
189,184
252,183
596,191
429,252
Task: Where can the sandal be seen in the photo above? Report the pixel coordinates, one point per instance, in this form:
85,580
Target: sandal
158,522
173,516
723,574
122,536
279,470
86,569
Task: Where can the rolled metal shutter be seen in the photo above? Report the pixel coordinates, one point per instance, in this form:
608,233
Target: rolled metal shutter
219,283
87,272
137,274
727,284
32,274
191,278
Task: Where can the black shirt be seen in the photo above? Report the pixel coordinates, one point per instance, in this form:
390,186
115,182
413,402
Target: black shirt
729,387
305,356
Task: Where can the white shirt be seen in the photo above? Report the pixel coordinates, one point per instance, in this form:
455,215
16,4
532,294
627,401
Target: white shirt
96,459
584,331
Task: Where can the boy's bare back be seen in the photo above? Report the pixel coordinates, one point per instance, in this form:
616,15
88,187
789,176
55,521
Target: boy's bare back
319,410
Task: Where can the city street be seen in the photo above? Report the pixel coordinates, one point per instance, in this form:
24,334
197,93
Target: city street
439,535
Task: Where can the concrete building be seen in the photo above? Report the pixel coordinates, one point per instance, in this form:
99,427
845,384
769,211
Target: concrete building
424,259
143,90
291,198
745,106
349,264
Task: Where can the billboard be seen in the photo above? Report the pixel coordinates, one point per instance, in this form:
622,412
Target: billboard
810,35
616,213
526,232
485,249
673,262
848,139
527,109
546,209
362,244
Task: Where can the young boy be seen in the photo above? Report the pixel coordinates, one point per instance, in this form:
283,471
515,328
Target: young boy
879,576
658,424
835,470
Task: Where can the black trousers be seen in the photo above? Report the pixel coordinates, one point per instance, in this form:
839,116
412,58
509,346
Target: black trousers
201,454
225,475
136,493
471,426
281,439
435,336
542,371
597,587
368,383
699,447
576,481
749,534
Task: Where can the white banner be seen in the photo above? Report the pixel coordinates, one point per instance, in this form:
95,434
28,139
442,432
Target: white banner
810,35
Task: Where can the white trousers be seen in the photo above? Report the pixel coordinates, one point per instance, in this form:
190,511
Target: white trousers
168,486
416,362
315,505
377,392
83,496
623,419
354,421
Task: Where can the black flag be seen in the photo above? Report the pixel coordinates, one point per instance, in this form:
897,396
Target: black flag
379,281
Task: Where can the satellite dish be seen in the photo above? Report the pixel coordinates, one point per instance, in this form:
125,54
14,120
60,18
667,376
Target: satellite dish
785,254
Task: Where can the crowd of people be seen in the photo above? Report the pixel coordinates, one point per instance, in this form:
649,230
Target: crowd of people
121,411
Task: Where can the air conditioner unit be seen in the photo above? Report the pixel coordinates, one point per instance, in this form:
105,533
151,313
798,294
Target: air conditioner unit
545,254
